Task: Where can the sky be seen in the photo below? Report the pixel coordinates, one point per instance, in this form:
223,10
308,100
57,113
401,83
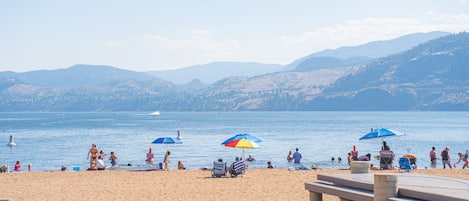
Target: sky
154,35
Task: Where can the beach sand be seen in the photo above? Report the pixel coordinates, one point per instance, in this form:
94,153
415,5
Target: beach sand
257,184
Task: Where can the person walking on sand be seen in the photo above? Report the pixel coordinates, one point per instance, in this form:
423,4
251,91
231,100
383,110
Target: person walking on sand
433,158
93,153
297,156
445,158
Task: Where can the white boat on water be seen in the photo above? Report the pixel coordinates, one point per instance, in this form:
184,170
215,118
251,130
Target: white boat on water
155,113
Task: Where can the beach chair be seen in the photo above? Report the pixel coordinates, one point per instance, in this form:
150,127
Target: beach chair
413,160
238,168
219,169
386,158
404,164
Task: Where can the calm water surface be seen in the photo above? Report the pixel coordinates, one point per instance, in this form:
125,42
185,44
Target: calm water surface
50,140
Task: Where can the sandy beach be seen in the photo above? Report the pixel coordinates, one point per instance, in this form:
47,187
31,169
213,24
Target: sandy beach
257,184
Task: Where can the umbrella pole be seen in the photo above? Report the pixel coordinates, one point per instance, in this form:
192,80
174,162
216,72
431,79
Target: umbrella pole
243,154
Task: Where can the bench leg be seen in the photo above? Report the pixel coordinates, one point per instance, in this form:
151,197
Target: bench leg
313,196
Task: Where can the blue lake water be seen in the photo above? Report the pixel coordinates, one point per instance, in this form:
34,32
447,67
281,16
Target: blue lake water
50,140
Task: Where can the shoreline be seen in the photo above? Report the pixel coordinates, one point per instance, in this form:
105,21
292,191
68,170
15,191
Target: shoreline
257,184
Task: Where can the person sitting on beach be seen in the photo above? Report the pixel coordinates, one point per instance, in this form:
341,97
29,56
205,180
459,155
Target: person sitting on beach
237,167
181,166
269,165
385,146
113,158
251,158
100,164
4,168
297,156
366,157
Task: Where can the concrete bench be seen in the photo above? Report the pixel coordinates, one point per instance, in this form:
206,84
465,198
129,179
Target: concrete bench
316,189
428,195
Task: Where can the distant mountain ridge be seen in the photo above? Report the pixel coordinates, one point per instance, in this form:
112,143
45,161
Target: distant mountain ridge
431,76
79,75
212,72
371,50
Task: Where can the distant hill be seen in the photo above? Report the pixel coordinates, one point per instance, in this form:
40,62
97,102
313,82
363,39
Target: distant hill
431,76
78,76
371,50
212,72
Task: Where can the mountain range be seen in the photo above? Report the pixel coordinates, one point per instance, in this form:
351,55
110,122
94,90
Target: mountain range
428,73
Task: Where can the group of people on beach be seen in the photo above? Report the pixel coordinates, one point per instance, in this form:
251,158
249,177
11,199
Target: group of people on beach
97,157
446,159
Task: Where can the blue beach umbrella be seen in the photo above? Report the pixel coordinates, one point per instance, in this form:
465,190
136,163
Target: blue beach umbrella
166,140
380,133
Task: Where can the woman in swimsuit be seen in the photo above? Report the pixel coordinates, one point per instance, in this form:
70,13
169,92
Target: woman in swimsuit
94,154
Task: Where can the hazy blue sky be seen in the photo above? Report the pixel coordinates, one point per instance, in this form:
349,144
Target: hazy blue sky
159,35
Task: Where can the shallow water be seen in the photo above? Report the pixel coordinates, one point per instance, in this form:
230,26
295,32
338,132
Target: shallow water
50,140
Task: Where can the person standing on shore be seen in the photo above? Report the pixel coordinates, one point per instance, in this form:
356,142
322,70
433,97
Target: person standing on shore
445,158
297,156
433,158
94,153
166,160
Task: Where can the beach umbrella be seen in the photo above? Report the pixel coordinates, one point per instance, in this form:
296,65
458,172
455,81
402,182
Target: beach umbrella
242,136
242,141
380,133
167,141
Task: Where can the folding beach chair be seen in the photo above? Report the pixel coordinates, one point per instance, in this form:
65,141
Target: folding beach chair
219,169
413,160
386,158
404,164
238,168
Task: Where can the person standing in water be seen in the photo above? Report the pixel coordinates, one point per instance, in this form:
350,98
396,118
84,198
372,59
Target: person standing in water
290,156
297,156
433,158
